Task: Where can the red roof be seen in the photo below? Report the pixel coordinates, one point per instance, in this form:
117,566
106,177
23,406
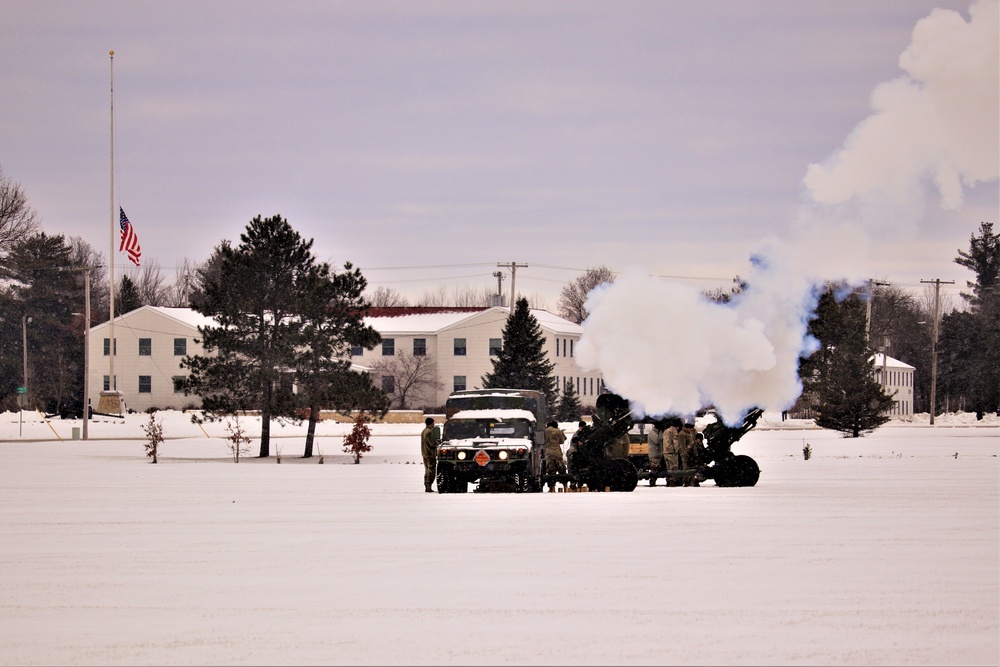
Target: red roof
399,311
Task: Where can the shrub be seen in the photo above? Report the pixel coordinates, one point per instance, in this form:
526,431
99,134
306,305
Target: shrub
154,436
356,442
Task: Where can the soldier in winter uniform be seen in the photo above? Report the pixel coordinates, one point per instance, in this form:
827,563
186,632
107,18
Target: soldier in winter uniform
685,448
554,461
428,449
671,448
655,447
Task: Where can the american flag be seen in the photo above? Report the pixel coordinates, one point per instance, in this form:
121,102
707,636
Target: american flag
130,242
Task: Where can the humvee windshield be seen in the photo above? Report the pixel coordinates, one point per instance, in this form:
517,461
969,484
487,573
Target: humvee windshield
464,429
499,399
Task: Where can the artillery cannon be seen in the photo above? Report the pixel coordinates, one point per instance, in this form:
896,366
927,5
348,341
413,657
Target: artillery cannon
592,461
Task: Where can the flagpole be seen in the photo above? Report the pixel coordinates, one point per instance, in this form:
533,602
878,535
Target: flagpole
112,385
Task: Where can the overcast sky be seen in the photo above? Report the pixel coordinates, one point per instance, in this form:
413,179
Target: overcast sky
453,136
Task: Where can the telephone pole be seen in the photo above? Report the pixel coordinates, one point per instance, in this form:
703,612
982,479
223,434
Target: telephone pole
937,282
513,266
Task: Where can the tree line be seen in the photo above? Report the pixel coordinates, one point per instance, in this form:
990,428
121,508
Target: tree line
41,304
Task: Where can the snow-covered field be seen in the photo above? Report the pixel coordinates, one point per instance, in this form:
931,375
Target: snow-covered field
881,550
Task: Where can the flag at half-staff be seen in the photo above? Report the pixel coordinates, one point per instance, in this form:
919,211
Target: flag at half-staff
130,242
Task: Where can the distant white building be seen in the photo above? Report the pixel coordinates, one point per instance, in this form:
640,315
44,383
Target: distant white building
897,379
149,344
151,341
462,342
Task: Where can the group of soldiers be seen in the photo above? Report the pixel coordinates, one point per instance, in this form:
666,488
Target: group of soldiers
674,445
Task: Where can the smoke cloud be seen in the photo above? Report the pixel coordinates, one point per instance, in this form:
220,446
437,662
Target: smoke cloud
670,350
937,122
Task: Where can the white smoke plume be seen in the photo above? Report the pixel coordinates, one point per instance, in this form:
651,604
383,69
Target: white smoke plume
939,121
670,350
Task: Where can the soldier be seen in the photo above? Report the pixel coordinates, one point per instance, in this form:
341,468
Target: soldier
655,448
685,448
554,462
428,449
574,443
671,448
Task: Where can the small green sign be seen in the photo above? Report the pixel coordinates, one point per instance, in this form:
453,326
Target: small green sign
22,390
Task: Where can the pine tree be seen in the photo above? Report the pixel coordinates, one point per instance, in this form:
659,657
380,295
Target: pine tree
40,299
127,298
969,346
569,404
256,302
332,317
842,371
522,362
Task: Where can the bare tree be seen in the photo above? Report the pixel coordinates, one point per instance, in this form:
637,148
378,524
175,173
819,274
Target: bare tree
150,283
473,297
574,294
83,254
17,219
386,297
177,295
413,375
434,298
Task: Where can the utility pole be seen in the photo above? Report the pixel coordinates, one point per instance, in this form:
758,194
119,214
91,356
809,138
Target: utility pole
513,266
499,276
937,282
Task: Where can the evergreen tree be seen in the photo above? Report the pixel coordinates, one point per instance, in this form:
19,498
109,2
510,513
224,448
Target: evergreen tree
332,316
569,404
841,374
256,302
522,362
40,303
983,259
127,299
969,346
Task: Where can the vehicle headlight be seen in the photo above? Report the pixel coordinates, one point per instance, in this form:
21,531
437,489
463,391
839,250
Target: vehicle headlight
502,455
461,456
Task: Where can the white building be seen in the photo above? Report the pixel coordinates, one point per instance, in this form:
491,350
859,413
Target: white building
150,343
897,379
462,342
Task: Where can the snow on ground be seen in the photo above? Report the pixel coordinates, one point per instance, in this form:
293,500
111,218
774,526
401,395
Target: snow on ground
880,550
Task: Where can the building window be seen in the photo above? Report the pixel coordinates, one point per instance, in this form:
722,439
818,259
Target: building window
459,383
459,347
496,344
420,347
357,351
180,347
145,384
178,381
571,347
557,347
107,347
388,384
107,383
145,347
388,347
564,347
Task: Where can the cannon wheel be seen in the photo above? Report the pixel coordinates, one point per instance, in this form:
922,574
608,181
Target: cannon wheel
740,471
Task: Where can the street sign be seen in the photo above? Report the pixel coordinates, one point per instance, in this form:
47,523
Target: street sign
22,390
